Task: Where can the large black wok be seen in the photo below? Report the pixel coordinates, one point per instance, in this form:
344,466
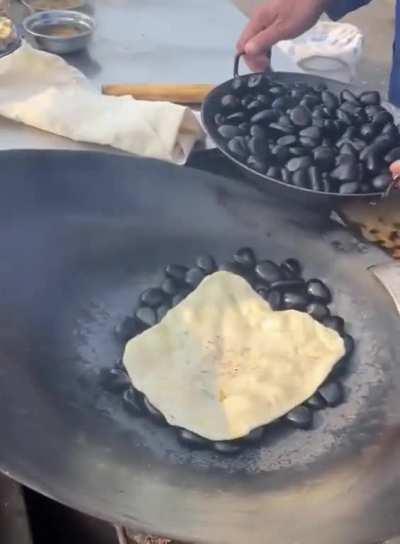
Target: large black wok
81,234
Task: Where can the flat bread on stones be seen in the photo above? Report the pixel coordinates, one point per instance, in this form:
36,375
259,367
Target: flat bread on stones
222,363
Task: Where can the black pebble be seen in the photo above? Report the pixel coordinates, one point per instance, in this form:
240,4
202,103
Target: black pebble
255,81
382,182
301,116
152,297
170,286
288,284
274,172
374,165
349,149
162,311
258,146
277,90
275,299
255,435
348,344
281,153
348,96
264,99
300,178
317,310
146,316
246,100
237,118
180,296
238,147
308,143
229,101
315,178
310,101
254,105
382,118
219,119
330,100
281,103
297,151
229,131
346,171
194,276
294,300
257,164
368,132
176,272
257,130
233,267
393,155
293,267
349,188
345,118
312,132
228,447
352,109
290,139
238,84
115,380
300,417
316,402
133,402
264,116
187,438
126,330
334,322
286,176
262,291
282,128
298,163
155,414
319,291
332,393
245,257
370,98
268,271
206,263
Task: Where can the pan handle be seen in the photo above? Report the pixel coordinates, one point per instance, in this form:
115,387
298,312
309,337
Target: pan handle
237,62
389,277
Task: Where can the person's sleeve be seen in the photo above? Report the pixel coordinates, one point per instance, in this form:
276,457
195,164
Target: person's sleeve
339,8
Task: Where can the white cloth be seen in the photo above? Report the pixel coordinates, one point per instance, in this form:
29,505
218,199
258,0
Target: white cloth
331,50
44,91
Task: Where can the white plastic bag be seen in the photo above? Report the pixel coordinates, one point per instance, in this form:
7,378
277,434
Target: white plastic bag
331,50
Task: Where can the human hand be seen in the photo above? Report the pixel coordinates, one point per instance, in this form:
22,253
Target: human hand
273,21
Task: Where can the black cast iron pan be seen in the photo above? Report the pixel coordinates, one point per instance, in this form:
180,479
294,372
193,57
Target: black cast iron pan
306,197
81,235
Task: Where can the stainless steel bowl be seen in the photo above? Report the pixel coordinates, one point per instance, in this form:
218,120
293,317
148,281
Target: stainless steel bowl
36,24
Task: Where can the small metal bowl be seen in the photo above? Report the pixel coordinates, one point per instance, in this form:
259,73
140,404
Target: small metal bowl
40,25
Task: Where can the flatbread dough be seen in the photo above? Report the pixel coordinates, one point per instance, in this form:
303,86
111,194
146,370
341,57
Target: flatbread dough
222,363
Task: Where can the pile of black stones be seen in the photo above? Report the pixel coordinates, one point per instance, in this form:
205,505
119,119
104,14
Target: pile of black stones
282,285
307,136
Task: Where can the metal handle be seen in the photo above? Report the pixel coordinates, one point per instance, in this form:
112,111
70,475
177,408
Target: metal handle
237,62
389,276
